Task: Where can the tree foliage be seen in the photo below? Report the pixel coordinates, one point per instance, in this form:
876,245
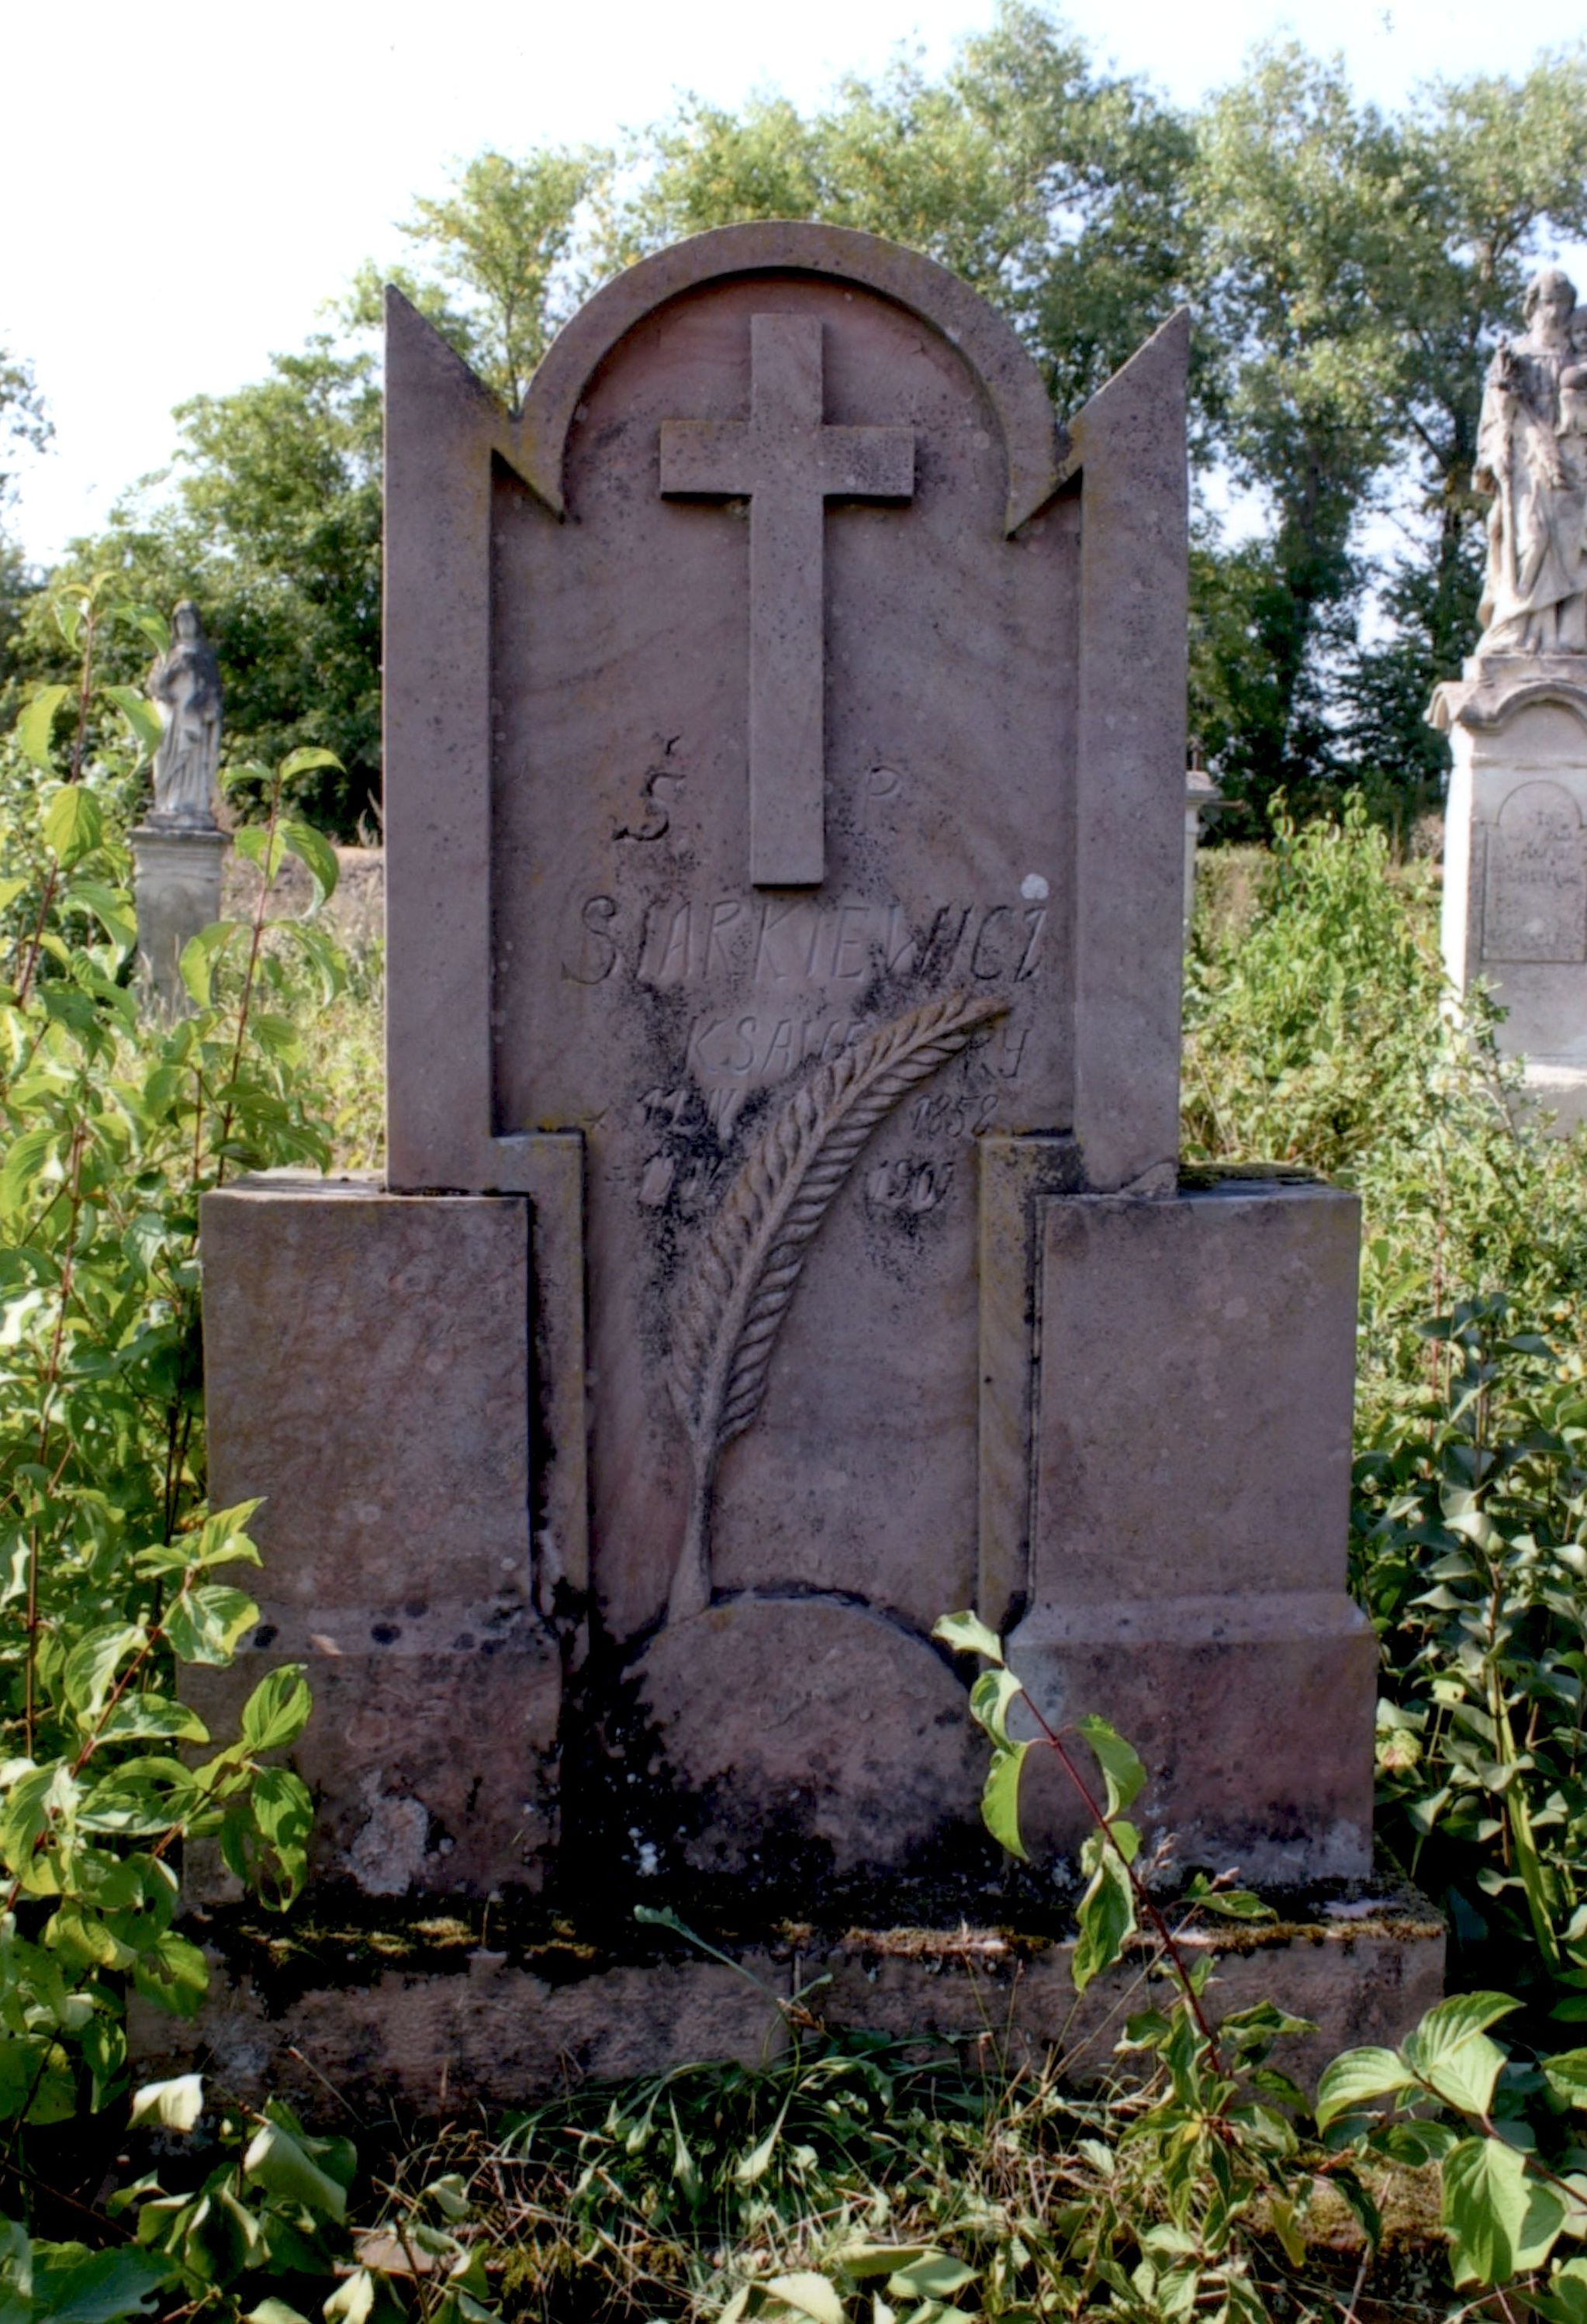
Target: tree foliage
1350,271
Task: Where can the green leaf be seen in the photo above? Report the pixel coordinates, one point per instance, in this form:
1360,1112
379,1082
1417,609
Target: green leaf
1357,2077
1567,2074
282,2167
96,2287
1565,2300
808,2295
33,727
154,1718
1453,2054
1000,1799
275,2312
1107,1910
935,2277
202,956
74,824
967,1634
206,1623
306,762
174,2105
22,1174
318,854
277,1712
141,716
111,907
1121,1770
351,2302
992,1698
1500,2220
259,844
862,2260
174,1973
92,1664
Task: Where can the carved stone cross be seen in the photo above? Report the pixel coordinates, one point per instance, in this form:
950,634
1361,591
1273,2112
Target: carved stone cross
787,465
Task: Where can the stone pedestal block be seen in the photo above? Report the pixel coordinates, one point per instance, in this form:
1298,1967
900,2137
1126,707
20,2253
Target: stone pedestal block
1515,859
1186,1578
176,891
367,1371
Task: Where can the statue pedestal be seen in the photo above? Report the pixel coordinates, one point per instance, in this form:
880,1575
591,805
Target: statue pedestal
1515,859
176,888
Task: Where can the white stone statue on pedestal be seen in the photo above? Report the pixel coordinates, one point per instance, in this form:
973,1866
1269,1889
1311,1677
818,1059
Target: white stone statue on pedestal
179,853
185,682
1532,457
1515,858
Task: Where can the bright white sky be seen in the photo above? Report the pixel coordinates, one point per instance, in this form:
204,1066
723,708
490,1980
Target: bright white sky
188,187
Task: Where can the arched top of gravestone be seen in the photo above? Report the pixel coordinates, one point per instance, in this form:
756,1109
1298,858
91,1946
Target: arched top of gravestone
1034,444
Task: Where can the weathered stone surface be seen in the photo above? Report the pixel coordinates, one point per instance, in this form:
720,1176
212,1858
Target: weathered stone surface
177,877
495,2033
367,1373
1187,1565
583,934
1515,874
799,1737
785,821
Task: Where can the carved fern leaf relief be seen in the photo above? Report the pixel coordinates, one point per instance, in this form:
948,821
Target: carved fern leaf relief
748,1264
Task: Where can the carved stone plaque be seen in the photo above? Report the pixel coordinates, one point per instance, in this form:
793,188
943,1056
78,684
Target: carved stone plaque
1535,907
760,701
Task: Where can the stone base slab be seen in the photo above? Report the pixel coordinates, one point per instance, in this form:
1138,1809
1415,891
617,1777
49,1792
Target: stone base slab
1235,1706
1556,1087
478,2027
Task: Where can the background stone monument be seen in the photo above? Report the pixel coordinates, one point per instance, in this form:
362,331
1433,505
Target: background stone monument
1515,856
179,854
784,1241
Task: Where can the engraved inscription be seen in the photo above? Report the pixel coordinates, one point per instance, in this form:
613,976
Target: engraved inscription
1535,906
771,942
910,1187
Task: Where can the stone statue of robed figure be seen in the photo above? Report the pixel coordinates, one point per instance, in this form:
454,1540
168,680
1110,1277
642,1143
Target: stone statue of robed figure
185,682
1515,851
1532,457
179,854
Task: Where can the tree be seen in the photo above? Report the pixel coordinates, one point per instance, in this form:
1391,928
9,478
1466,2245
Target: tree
1356,272
1492,175
1055,190
1292,210
271,522
494,260
23,424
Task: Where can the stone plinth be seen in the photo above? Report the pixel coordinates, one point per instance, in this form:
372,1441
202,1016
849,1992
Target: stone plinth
1515,859
367,1373
177,875
440,2020
1186,1571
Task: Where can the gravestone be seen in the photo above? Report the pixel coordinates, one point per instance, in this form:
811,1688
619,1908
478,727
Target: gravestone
1514,855
783,1240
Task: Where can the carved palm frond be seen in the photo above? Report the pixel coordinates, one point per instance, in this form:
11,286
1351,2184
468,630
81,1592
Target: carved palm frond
745,1270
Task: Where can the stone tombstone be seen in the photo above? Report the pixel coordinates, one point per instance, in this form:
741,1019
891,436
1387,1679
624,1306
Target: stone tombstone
783,1241
1514,880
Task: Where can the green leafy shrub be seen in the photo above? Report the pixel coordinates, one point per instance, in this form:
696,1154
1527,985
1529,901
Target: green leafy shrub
1470,1552
111,1572
1317,1033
